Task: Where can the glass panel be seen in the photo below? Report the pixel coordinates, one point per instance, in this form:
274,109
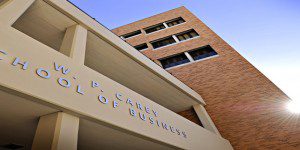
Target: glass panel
194,34
203,52
141,47
180,37
175,22
174,61
187,35
155,28
132,34
163,42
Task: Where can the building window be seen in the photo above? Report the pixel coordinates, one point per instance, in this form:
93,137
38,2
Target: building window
141,47
161,26
128,35
187,35
175,22
202,52
155,28
163,42
174,60
182,58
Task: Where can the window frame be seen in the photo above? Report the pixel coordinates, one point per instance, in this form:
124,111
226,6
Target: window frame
131,33
166,25
141,45
156,25
201,49
161,59
185,33
178,18
161,39
192,60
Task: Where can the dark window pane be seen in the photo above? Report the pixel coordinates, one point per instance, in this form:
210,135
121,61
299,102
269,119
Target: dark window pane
163,42
181,21
132,34
174,61
202,52
141,47
187,35
155,28
194,34
175,22
180,37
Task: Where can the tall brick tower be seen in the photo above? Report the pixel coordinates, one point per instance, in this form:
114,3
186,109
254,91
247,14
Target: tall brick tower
247,108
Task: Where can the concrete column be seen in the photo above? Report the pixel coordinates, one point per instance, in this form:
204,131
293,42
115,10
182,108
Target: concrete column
205,119
57,131
11,10
74,43
189,56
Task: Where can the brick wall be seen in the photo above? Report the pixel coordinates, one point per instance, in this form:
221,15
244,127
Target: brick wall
191,115
247,108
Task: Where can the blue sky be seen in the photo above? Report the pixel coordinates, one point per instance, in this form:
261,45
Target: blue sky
265,32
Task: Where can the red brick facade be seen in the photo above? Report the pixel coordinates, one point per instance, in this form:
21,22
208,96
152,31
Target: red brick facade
191,115
247,108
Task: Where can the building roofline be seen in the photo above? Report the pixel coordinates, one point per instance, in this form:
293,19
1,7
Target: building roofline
149,17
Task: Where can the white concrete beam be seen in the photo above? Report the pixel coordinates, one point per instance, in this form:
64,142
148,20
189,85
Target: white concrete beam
11,10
